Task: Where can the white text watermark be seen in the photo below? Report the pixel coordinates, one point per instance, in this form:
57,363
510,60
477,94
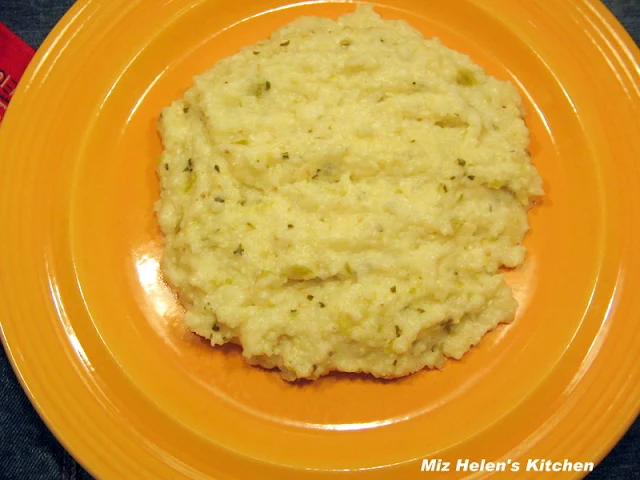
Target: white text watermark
531,465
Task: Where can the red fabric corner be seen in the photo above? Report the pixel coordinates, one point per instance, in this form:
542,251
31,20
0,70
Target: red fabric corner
15,55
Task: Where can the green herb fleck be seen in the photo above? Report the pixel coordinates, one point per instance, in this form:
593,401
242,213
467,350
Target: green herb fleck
241,142
322,305
317,174
219,199
471,177
239,250
394,289
216,327
285,44
290,226
420,310
461,162
166,166
294,311
285,156
267,85
309,297
398,331
189,167
345,42
256,52
216,168
186,109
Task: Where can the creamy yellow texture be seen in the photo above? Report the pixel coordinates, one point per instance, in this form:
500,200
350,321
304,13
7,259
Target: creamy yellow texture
342,196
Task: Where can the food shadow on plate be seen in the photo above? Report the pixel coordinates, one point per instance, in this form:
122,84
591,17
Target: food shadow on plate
234,350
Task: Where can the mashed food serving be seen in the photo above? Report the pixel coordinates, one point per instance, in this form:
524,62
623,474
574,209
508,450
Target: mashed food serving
342,196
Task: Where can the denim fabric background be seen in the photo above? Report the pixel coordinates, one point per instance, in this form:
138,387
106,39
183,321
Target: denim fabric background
28,451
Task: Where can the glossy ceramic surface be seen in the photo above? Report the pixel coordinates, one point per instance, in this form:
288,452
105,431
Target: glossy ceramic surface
96,336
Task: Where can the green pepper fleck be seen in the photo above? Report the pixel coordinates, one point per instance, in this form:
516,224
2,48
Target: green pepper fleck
448,326
466,78
299,272
451,121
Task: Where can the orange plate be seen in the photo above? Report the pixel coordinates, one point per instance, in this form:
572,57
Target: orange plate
97,339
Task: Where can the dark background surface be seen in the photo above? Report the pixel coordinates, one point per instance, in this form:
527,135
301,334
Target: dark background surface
28,451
